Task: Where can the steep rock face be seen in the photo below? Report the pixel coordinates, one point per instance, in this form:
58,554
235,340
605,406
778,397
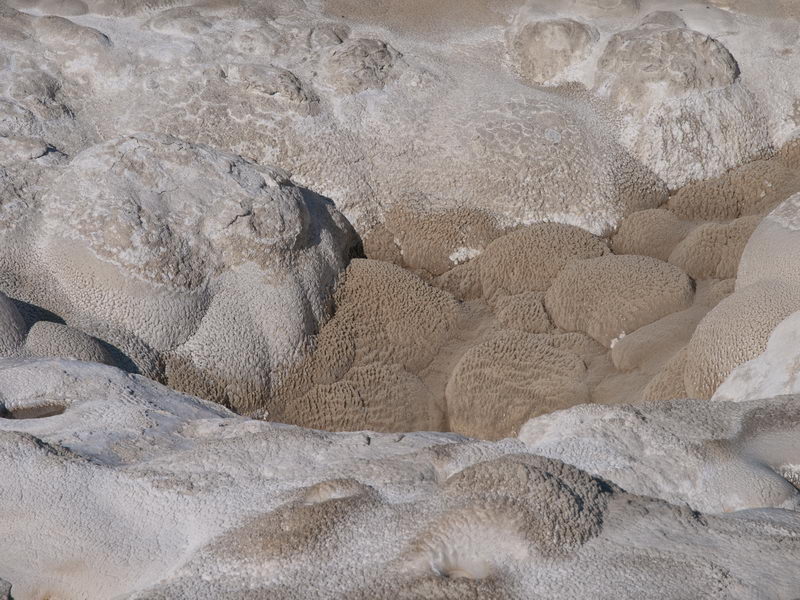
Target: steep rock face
205,270
167,487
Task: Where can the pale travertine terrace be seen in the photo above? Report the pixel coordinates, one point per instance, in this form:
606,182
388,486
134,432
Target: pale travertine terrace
391,299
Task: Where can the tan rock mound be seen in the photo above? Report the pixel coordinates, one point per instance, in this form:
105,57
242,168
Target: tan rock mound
653,232
713,250
501,383
754,188
613,295
54,340
388,326
431,242
736,331
690,117
530,258
657,342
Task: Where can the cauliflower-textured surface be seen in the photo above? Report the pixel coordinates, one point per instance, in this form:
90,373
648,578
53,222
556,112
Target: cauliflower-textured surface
529,259
736,331
612,295
653,232
181,498
713,250
503,382
207,271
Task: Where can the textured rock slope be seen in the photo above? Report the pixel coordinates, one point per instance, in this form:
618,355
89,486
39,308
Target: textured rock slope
138,207
567,228
151,494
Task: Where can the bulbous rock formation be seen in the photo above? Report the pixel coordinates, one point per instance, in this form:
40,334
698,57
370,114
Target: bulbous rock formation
611,295
207,271
545,49
511,378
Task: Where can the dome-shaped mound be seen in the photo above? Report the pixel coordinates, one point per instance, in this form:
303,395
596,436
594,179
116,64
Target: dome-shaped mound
207,270
713,250
545,49
528,259
613,295
500,384
645,61
773,251
362,372
736,331
653,232
54,340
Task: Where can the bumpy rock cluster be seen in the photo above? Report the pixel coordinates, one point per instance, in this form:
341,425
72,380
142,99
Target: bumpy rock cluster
175,497
377,299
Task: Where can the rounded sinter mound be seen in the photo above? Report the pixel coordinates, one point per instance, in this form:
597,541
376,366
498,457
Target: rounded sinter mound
547,48
500,384
399,299
613,295
205,269
653,232
713,250
527,260
736,331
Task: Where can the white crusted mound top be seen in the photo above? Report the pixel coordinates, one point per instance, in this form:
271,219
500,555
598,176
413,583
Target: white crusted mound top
160,495
577,111
205,270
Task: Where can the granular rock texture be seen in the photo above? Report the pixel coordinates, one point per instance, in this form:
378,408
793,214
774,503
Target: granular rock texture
230,507
612,295
205,270
359,231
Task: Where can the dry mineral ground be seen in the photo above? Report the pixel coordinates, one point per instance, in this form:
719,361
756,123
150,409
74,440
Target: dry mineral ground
399,299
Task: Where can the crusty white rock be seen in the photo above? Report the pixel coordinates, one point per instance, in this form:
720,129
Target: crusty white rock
206,270
713,456
159,495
